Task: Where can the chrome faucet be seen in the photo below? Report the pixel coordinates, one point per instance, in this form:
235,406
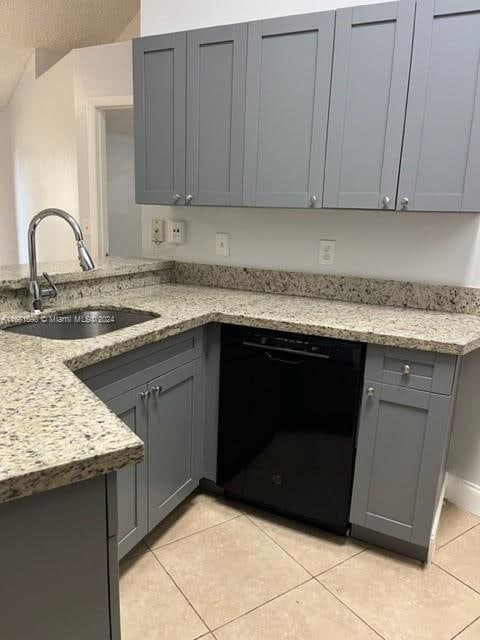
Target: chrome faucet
41,292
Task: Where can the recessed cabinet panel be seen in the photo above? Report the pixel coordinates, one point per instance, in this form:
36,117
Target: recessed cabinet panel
131,481
288,88
367,109
402,442
216,67
175,435
441,159
159,93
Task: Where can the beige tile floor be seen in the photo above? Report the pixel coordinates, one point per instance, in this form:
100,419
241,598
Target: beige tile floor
221,571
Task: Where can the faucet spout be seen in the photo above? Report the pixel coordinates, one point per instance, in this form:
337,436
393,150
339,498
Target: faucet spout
48,292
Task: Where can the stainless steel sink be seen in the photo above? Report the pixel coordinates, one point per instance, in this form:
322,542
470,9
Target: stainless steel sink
77,325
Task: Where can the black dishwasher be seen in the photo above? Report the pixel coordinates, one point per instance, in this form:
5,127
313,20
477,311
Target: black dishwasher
287,422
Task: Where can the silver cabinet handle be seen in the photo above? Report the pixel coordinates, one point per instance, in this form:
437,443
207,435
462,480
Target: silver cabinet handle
313,200
188,198
407,370
177,197
370,391
145,395
404,202
386,201
157,389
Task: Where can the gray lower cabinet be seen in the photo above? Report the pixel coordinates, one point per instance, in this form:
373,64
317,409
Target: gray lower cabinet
132,501
175,439
59,566
441,157
288,90
403,440
158,391
367,109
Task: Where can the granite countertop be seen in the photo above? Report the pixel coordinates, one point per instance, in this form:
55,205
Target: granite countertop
53,429
16,276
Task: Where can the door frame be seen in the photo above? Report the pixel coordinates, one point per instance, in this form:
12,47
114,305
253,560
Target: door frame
97,166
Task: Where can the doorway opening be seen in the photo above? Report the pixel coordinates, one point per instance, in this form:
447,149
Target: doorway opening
116,219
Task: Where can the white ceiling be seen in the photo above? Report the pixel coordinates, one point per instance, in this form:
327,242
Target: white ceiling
59,25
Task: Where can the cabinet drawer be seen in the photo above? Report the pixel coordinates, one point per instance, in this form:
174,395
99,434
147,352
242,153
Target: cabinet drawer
412,369
139,366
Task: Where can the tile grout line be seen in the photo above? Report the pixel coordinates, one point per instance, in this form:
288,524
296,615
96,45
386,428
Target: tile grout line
212,526
465,628
279,545
259,606
188,601
350,609
341,562
459,536
456,578
297,561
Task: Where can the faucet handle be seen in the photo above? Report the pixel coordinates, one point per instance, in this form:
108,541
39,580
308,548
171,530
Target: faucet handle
51,291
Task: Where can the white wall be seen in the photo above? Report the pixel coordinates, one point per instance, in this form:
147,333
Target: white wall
427,247
42,123
124,216
100,71
176,15
8,231
132,30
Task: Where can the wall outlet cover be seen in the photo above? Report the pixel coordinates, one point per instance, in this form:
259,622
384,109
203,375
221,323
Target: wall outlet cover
175,231
157,231
222,244
327,252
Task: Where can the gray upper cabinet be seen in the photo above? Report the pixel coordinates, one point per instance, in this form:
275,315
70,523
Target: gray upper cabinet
159,68
288,89
132,480
175,439
216,68
367,109
441,158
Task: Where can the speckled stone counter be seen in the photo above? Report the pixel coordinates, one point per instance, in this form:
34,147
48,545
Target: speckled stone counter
54,431
16,276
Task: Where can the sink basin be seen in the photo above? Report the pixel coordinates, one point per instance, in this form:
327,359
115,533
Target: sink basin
77,325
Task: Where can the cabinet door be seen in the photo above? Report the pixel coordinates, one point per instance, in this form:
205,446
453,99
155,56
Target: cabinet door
159,70
441,157
403,435
216,67
132,480
367,109
288,90
175,437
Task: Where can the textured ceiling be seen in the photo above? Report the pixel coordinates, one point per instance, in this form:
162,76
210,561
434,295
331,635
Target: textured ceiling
60,25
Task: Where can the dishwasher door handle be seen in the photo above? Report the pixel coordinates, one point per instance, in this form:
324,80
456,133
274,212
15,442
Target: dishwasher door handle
323,356
282,360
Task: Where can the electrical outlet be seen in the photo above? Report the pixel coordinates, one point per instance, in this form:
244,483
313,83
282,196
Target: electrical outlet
327,252
176,231
157,230
222,244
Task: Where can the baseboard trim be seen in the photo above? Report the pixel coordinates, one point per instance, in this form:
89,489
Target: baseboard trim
463,493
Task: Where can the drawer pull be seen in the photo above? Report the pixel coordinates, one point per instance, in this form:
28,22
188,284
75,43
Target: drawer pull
157,389
370,391
145,395
407,370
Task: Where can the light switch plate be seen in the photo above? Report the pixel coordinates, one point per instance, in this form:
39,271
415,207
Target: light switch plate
222,244
327,252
